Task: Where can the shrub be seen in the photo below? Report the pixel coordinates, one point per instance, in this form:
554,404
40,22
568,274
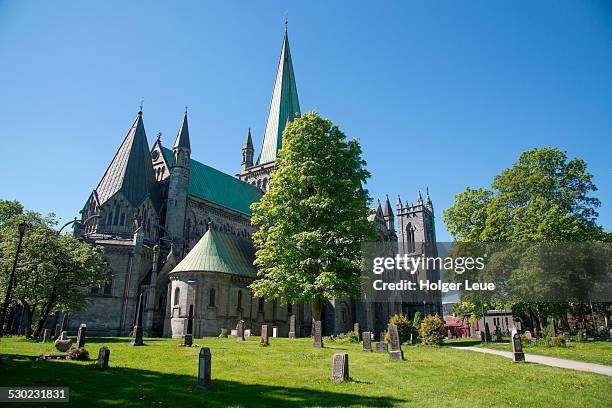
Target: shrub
432,330
404,327
352,337
78,354
223,334
416,320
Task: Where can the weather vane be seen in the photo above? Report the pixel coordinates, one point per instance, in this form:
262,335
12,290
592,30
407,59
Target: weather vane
141,103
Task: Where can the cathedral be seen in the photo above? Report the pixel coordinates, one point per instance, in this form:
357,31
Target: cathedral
178,232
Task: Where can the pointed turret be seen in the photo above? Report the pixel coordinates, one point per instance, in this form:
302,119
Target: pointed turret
420,199
428,202
131,171
284,106
182,139
399,202
247,152
388,214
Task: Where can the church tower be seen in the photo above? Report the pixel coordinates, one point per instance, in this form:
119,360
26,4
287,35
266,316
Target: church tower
177,189
284,107
247,153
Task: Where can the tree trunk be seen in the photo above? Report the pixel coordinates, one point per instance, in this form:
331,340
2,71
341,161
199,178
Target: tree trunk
317,307
44,314
28,324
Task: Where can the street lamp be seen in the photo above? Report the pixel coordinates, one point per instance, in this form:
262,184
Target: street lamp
9,288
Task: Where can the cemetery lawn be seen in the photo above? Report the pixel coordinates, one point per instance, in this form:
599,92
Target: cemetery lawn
291,373
598,352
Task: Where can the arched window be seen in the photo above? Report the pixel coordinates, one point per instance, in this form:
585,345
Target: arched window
410,247
116,219
211,298
177,296
122,219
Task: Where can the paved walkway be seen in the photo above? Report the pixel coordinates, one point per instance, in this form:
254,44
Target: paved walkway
549,361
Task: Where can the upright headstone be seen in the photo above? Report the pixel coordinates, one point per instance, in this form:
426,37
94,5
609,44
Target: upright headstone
367,342
45,335
188,341
396,352
292,327
264,335
318,338
240,330
204,367
64,322
58,330
274,331
553,329
137,332
517,347
381,347
356,329
487,333
81,335
498,335
103,356
340,367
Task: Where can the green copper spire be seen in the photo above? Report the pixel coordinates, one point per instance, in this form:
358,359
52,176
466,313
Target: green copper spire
283,107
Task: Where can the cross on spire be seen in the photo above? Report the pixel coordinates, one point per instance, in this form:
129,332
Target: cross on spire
141,105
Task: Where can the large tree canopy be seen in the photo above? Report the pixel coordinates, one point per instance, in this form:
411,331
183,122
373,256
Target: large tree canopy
53,270
313,220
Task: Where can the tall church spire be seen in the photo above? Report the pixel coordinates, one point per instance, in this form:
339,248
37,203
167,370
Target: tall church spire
284,105
182,138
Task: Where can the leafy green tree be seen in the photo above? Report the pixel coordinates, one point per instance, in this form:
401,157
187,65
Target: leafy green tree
432,331
313,220
53,270
544,197
9,209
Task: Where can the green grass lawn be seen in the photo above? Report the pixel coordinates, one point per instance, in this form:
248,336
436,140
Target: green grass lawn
599,352
290,373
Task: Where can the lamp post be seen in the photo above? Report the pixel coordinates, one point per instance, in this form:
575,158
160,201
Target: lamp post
9,288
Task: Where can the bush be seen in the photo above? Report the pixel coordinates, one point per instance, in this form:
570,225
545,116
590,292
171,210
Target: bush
416,320
352,337
404,327
223,334
432,330
78,354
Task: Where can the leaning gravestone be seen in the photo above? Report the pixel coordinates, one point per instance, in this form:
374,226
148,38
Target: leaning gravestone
318,339
45,335
204,368
240,330
65,322
517,347
103,356
356,329
292,327
81,335
264,335
396,352
340,367
137,331
63,345
367,342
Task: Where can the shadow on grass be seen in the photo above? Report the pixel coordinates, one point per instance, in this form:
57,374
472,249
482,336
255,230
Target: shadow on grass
463,343
129,387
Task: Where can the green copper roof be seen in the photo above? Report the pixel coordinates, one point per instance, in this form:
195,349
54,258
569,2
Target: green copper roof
217,187
284,106
221,252
131,170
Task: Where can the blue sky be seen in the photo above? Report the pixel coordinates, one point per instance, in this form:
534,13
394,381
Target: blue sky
442,94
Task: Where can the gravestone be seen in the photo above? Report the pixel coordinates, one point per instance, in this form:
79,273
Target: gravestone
482,337
274,331
566,337
64,323
318,339
64,335
58,331
45,335
80,343
340,367
553,329
396,352
292,327
137,331
498,335
204,367
581,336
487,333
63,345
240,330
103,356
517,347
188,340
367,342
381,337
381,347
356,329
264,335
